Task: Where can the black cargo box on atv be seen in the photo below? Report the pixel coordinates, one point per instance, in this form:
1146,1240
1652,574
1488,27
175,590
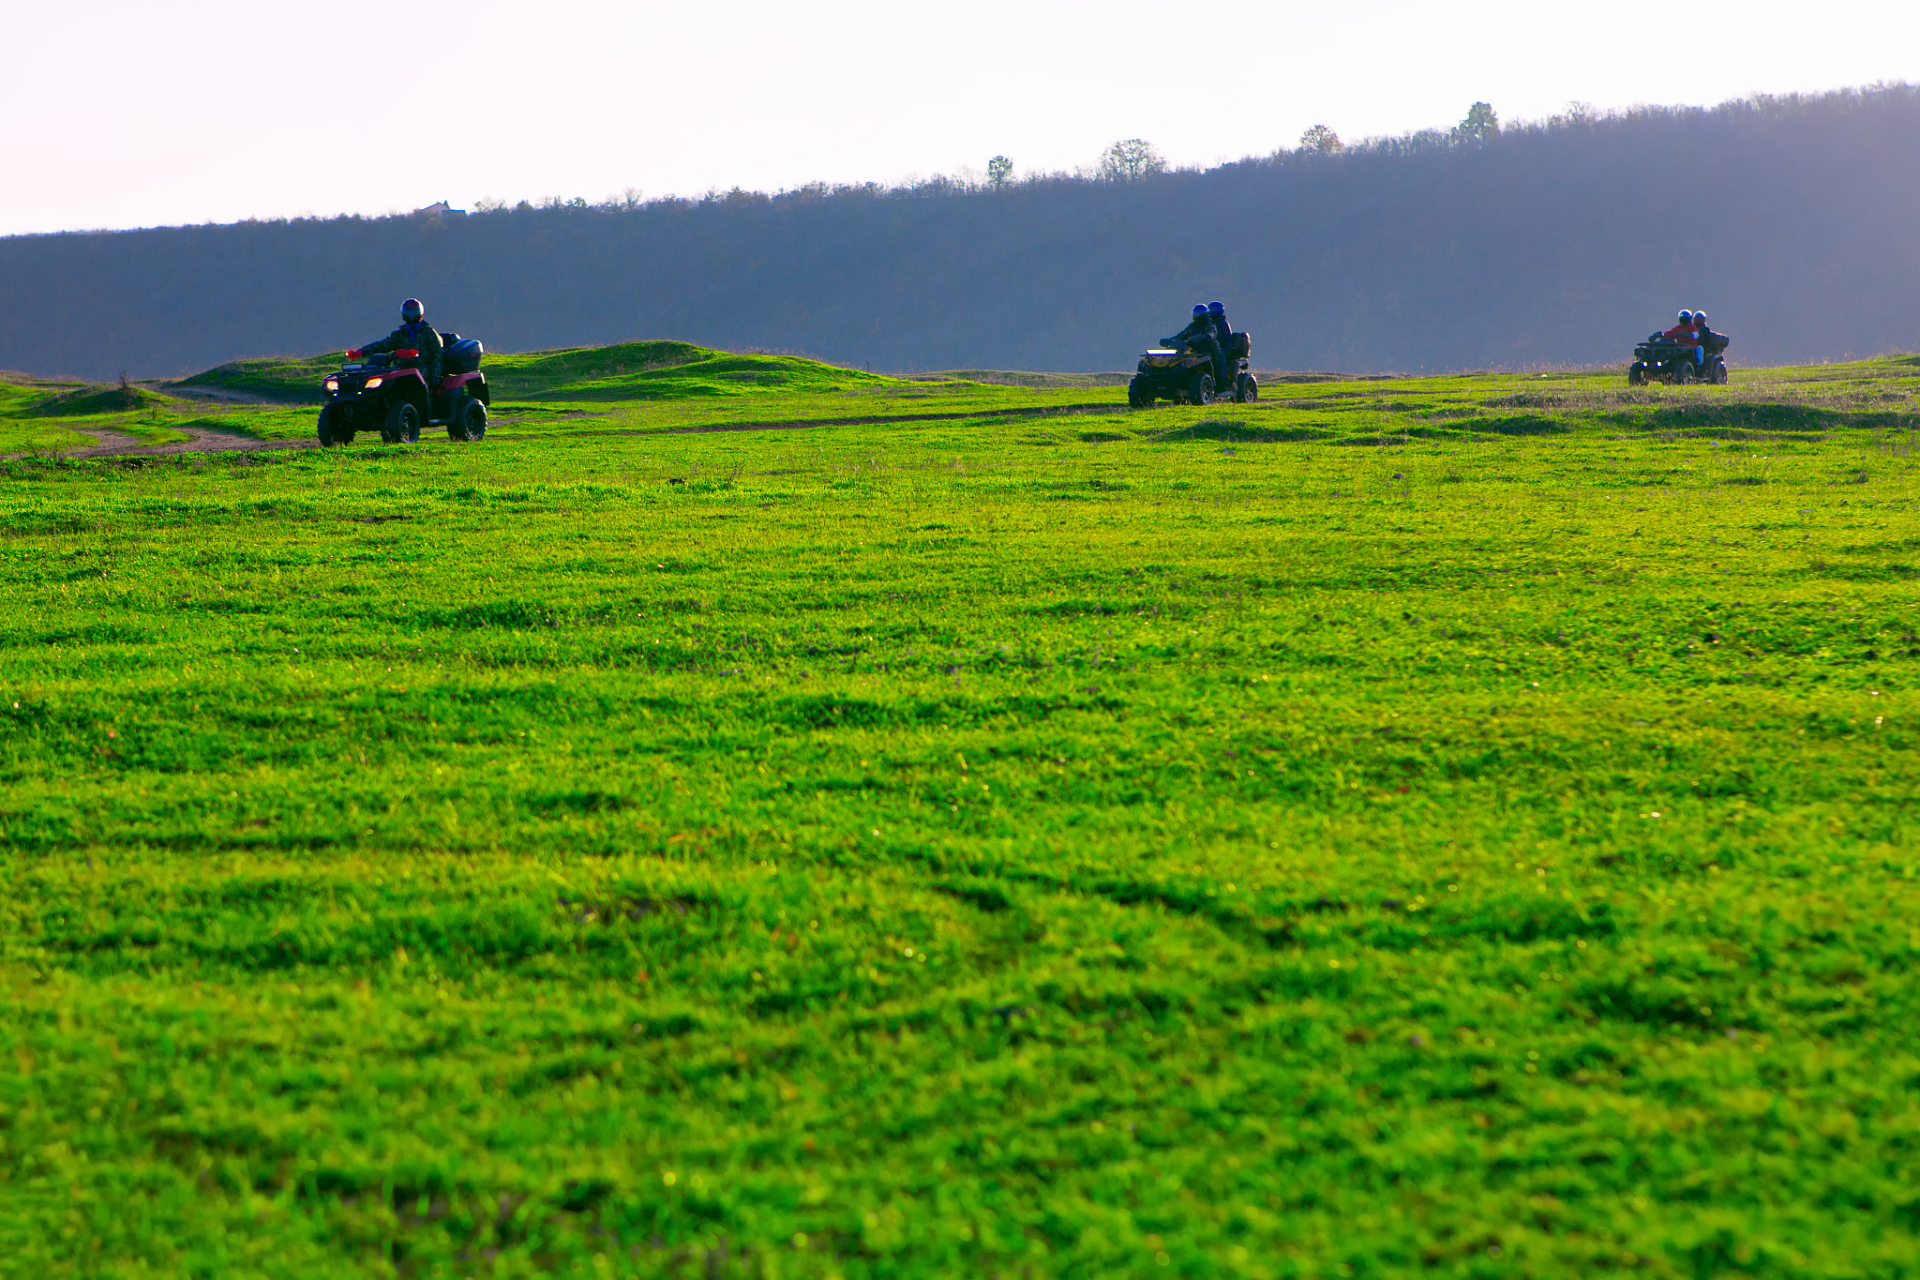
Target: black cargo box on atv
462,354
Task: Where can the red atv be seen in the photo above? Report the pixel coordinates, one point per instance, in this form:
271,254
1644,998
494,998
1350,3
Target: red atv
390,394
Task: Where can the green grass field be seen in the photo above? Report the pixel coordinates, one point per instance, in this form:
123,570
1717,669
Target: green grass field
843,826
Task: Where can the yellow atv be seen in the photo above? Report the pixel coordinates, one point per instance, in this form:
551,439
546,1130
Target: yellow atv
1185,376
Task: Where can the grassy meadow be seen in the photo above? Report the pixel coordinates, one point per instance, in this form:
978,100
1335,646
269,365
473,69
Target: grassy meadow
809,824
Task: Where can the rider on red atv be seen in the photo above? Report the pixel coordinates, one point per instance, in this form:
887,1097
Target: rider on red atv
431,379
414,334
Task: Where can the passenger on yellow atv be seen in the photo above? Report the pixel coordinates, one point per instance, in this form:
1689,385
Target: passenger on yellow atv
1222,331
1199,337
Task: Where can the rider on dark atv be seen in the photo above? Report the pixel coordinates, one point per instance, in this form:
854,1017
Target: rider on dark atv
1199,336
415,334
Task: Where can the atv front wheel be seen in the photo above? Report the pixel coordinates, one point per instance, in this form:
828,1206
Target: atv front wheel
1200,389
1139,395
1245,388
402,425
329,431
1636,375
468,421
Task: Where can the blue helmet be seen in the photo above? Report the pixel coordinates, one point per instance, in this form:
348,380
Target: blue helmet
1199,310
1686,317
411,311
1216,308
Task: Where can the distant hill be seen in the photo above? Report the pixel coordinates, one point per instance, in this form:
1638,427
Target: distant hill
1794,222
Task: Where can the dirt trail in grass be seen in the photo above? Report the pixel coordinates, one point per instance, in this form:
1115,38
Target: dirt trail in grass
113,444
225,395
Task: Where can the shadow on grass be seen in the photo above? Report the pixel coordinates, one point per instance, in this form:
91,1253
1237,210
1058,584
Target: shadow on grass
1236,432
1771,419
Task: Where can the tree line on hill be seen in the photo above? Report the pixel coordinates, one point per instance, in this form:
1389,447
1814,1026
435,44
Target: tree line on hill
1791,220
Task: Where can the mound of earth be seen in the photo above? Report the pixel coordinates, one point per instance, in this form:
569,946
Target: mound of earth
288,379
711,373
657,369
94,401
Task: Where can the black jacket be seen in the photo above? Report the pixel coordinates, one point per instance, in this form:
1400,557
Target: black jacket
418,337
1221,332
1200,330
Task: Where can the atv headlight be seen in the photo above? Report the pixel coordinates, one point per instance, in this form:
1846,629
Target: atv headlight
333,384
374,382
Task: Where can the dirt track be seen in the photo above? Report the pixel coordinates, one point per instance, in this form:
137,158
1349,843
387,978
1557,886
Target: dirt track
114,444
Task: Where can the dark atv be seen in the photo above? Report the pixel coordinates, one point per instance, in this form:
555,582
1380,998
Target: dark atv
1661,359
389,394
1185,376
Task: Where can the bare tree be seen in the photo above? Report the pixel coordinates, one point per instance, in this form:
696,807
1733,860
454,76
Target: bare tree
999,172
1322,140
1129,161
1577,113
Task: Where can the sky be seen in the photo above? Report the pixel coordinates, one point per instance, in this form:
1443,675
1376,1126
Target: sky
168,112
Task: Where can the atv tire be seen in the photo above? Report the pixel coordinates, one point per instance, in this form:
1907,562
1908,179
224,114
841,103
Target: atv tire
330,431
402,425
1139,395
1245,388
1200,389
468,421
1635,375
1719,375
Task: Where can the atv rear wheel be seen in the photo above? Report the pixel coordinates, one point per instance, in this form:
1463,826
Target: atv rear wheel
402,425
468,422
1139,394
1719,377
1200,389
1245,387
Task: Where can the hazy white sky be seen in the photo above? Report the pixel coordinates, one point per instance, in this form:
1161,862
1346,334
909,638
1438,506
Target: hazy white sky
159,112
